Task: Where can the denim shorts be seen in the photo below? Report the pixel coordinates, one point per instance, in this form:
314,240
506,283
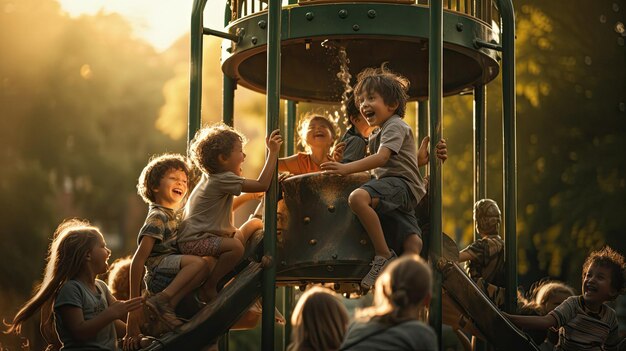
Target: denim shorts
162,275
393,194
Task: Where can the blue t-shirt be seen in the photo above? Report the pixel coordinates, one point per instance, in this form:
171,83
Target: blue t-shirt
75,293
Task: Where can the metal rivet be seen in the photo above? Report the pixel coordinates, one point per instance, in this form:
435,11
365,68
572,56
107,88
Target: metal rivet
331,208
355,27
343,13
336,286
312,242
309,16
459,27
262,24
307,220
334,256
330,268
363,242
371,13
254,40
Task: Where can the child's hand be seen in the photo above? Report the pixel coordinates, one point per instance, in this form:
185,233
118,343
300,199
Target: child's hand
284,175
442,150
274,141
334,168
120,309
338,151
423,154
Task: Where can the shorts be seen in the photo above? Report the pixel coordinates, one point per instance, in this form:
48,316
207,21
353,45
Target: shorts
209,246
397,227
158,278
393,194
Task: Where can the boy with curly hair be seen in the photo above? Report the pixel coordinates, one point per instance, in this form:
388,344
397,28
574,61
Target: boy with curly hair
585,322
398,186
163,186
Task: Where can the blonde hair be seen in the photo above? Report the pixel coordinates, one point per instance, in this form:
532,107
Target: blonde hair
405,282
550,289
487,216
303,126
319,321
210,142
119,278
72,241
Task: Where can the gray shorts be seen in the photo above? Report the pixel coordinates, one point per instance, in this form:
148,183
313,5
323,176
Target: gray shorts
393,194
162,275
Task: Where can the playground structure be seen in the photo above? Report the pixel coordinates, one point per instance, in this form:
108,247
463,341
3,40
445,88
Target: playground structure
285,50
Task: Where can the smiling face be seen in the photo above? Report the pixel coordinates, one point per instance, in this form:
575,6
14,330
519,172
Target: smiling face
99,256
172,189
597,287
318,134
374,108
233,161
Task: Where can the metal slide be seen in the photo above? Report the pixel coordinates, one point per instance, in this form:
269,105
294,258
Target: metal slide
469,309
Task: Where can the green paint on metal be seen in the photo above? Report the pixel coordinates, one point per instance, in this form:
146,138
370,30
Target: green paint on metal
195,69
422,126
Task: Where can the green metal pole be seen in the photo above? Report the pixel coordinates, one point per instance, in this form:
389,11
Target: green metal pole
480,161
509,149
228,84
290,123
195,70
422,126
435,93
273,109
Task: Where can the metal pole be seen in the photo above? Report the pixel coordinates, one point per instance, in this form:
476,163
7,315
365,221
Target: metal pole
228,85
290,126
422,127
509,151
195,69
480,144
435,93
273,109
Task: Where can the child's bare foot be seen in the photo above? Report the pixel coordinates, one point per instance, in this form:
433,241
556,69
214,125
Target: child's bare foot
159,304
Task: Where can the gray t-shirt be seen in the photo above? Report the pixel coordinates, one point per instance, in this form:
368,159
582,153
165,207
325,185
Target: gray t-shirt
410,336
398,137
209,209
75,293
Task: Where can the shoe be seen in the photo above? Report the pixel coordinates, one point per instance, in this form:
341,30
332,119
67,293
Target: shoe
159,305
378,264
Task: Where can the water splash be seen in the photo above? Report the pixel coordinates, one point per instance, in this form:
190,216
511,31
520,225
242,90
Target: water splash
338,51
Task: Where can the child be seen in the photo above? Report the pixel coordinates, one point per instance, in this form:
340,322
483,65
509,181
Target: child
207,228
485,256
317,135
585,321
549,295
163,186
319,321
119,278
402,293
356,138
84,309
398,185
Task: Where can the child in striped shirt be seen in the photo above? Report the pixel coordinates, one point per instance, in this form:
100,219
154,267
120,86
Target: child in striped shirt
585,322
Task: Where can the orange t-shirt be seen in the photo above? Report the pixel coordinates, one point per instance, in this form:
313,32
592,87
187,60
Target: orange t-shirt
304,164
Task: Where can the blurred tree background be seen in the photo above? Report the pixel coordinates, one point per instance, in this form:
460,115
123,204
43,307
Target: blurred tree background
84,104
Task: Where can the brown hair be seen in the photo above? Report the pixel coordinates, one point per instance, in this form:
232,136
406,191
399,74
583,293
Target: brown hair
72,241
319,321
611,259
392,87
405,282
118,280
155,170
210,142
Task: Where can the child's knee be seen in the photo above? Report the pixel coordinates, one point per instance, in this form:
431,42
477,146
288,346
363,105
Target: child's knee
358,198
413,244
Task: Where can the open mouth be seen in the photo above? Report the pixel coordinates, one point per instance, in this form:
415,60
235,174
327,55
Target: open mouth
368,114
590,288
178,192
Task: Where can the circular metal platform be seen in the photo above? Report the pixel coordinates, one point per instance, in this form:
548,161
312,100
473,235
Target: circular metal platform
370,33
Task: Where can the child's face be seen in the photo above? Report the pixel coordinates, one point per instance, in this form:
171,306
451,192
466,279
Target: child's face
99,255
374,108
233,161
597,284
318,135
172,189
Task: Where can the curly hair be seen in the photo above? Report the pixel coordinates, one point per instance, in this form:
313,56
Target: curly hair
210,142
487,216
155,170
392,87
611,259
118,280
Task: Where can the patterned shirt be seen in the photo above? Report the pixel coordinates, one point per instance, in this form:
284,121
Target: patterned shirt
584,330
160,224
487,259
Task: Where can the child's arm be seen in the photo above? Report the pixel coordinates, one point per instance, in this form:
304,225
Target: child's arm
370,162
135,276
262,183
464,256
423,154
83,330
120,325
532,322
245,197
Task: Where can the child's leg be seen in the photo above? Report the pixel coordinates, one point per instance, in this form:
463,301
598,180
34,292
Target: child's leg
230,253
413,245
363,205
193,271
247,229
